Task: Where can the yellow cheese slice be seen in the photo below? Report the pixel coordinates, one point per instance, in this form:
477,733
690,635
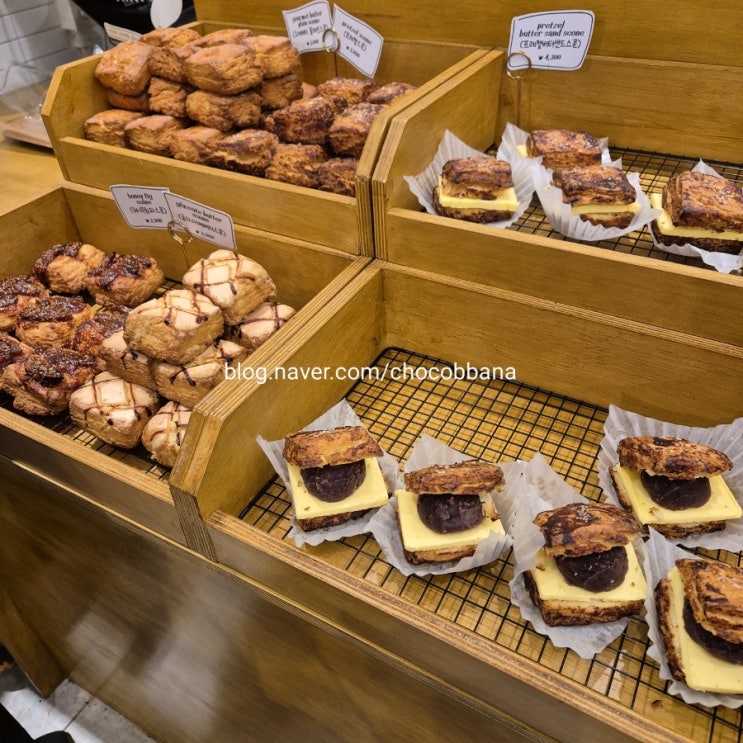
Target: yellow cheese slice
372,493
506,201
521,149
721,505
552,586
605,208
703,671
667,227
417,537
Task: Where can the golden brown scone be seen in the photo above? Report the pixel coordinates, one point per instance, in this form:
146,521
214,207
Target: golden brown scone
249,151
108,127
16,294
261,324
224,36
151,134
235,283
698,200
174,327
41,383
472,477
582,529
51,322
123,361
226,69
89,335
297,164
11,350
190,382
279,92
163,434
136,103
112,409
125,67
169,62
562,148
275,55
390,92
124,279
195,144
338,175
170,36
169,97
305,121
351,90
672,457
64,267
337,446
348,133
225,112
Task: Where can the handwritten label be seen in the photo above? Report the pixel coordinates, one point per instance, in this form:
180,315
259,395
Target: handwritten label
306,27
358,43
157,208
558,40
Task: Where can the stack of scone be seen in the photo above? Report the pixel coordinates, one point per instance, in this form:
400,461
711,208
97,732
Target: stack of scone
236,100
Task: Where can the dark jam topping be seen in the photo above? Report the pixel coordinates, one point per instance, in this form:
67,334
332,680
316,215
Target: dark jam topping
53,309
597,572
447,513
115,266
41,267
50,367
15,286
730,652
676,495
333,483
10,350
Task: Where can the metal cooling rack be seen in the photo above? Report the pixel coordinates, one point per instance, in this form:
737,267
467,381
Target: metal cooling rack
497,421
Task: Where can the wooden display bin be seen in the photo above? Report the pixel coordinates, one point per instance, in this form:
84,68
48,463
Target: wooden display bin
340,222
571,364
130,483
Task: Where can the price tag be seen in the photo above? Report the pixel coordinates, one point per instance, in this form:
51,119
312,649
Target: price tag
358,43
157,208
553,41
307,24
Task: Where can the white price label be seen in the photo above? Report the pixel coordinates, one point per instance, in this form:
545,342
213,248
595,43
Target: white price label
358,43
142,207
553,41
307,24
202,221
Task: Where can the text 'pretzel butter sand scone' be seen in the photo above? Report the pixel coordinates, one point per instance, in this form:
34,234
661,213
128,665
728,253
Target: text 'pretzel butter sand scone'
563,148
674,485
51,322
601,195
445,511
163,434
64,267
174,327
17,293
122,279
700,617
235,283
700,209
334,476
476,189
113,409
261,324
587,572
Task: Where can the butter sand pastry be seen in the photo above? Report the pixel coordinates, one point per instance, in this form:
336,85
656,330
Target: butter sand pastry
109,126
16,294
163,434
563,148
674,485
226,69
261,324
225,112
65,266
124,279
334,476
51,322
587,571
297,164
250,151
350,129
125,67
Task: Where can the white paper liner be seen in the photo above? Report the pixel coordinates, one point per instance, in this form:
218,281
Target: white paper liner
546,491
452,148
339,415
722,262
661,556
427,452
727,437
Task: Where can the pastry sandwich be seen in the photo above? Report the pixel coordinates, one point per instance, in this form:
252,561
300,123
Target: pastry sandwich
445,511
674,485
334,475
587,571
700,618
563,148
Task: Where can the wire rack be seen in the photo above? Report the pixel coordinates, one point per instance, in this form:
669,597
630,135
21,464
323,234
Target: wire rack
499,421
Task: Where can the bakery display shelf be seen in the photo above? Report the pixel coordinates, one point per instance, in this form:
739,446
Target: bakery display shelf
499,421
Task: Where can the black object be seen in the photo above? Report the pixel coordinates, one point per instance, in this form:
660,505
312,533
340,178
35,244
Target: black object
11,731
130,14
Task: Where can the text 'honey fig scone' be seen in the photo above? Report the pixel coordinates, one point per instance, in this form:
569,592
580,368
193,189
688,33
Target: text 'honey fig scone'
674,485
51,321
64,267
124,279
233,282
334,476
261,324
700,617
476,189
113,409
701,210
163,434
16,294
587,570
445,511
175,326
